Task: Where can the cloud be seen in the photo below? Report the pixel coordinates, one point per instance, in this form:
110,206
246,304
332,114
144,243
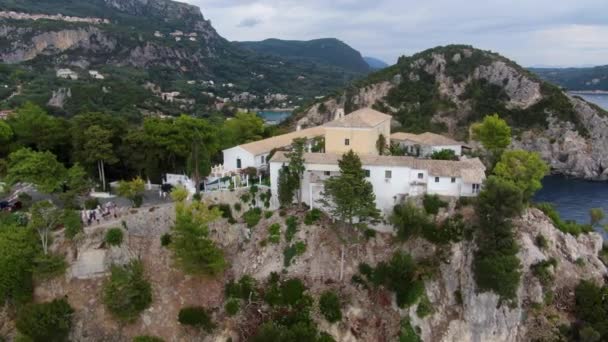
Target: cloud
549,32
249,22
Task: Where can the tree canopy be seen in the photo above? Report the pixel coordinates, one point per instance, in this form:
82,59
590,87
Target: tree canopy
39,168
493,132
525,169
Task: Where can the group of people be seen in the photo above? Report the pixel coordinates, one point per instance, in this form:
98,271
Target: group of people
108,211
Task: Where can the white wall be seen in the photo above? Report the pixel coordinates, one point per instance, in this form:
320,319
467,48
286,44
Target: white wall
232,154
444,187
427,150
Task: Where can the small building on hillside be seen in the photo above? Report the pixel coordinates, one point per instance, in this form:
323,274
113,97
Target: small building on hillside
425,144
4,114
67,74
96,75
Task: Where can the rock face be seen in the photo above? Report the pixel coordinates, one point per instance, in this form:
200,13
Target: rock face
456,85
480,318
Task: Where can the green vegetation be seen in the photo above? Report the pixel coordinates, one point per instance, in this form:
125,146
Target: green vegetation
114,237
494,134
48,266
147,338
126,293
133,190
568,227
329,304
292,228
274,233
312,216
541,242
591,310
444,155
432,204
350,195
196,316
411,221
575,78
165,240
72,224
425,308
596,215
544,271
293,251
407,332
252,217
525,169
232,306
44,322
399,275
193,251
18,248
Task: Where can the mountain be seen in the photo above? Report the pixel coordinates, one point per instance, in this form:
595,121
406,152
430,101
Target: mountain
375,63
143,49
595,78
328,51
446,89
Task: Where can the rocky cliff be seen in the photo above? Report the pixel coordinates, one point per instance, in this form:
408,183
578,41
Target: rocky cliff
447,88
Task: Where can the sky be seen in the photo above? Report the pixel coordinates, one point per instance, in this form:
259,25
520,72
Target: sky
532,32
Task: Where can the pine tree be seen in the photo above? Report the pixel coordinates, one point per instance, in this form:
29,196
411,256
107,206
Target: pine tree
297,165
286,187
350,195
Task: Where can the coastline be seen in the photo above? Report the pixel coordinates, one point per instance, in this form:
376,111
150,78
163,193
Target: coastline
589,92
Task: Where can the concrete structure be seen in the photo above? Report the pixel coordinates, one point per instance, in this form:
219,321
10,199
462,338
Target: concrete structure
425,144
96,75
67,74
358,131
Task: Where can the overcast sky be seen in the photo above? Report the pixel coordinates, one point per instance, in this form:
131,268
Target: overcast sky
532,32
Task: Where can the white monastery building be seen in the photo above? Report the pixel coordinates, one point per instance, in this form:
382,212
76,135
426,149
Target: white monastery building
394,178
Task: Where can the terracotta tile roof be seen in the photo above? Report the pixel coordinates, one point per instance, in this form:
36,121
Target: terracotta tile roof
362,118
427,138
267,145
471,170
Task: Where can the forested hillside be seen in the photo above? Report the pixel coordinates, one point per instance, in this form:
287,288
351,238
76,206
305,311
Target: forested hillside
589,79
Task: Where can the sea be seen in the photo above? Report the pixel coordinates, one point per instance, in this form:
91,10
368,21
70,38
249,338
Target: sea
573,198
274,117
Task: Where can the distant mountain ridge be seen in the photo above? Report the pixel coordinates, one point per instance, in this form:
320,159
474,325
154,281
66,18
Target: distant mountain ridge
375,63
327,50
589,79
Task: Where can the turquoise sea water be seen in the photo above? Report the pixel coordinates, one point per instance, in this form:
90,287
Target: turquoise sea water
273,116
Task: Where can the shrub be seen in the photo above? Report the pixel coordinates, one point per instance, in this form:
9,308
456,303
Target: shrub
232,306
424,308
465,201
568,227
114,237
50,321
329,304
407,332
245,198
238,206
312,216
224,209
165,240
126,293
541,242
72,223
244,289
138,200
409,220
91,203
147,338
432,204
452,230
444,155
591,307
292,228
196,316
543,270
274,233
268,214
282,213
369,233
252,217
292,251
49,266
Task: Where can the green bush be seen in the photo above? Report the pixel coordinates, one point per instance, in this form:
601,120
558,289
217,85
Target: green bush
72,223
312,216
425,307
369,233
282,213
568,227
238,206
114,237
245,198
330,306
232,306
274,233
196,316
252,217
268,214
541,242
244,289
591,307
165,240
19,247
126,293
49,266
50,321
138,200
147,338
91,203
292,228
407,332
410,221
432,204
224,209
292,251
543,270
452,230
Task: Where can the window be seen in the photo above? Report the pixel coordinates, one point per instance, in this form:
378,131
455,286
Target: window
476,188
262,158
347,142
326,173
388,174
238,163
436,179
453,179
367,173
420,175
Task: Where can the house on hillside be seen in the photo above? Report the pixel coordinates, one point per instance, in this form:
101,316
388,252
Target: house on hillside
425,144
394,178
67,74
4,114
